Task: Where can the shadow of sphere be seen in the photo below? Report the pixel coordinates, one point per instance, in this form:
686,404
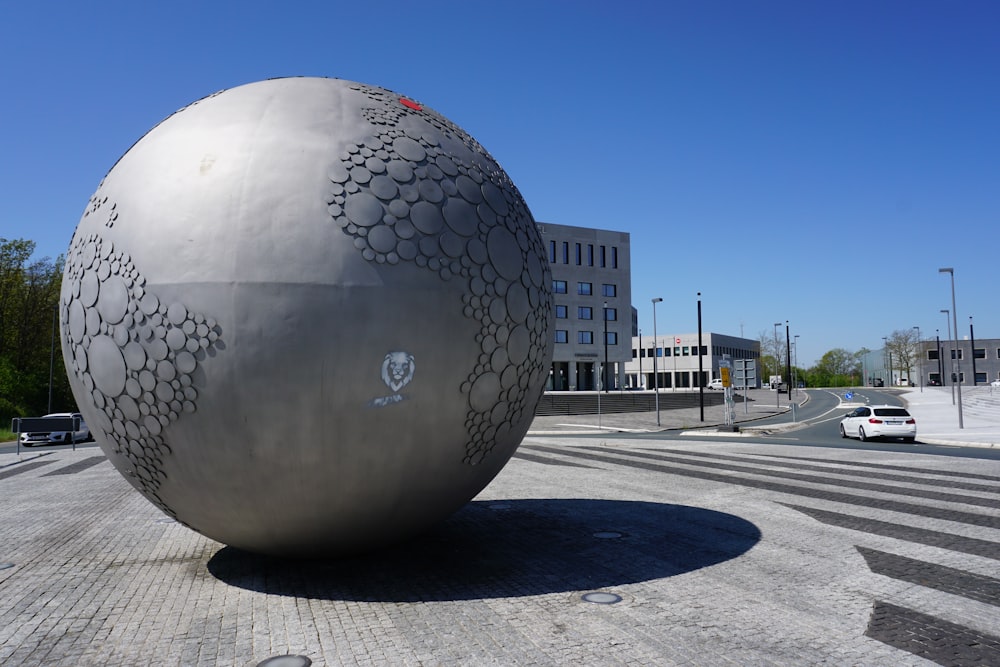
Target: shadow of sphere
510,548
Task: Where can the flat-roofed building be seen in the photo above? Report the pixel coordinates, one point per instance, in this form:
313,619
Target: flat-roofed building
592,302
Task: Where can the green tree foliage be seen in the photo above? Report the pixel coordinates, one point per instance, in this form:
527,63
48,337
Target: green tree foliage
837,368
29,298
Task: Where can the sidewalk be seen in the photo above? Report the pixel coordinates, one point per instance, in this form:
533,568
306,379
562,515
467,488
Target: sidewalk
937,417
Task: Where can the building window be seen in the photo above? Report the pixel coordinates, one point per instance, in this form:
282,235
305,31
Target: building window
561,312
590,254
585,337
611,314
634,354
612,338
958,352
614,257
980,377
559,286
666,351
687,351
552,252
579,254
585,289
932,355
565,252
604,256
585,313
609,290
979,353
562,336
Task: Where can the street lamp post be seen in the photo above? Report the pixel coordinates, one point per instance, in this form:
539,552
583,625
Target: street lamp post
951,366
642,384
958,365
920,365
972,335
887,358
788,360
605,312
701,372
656,373
937,341
795,361
777,351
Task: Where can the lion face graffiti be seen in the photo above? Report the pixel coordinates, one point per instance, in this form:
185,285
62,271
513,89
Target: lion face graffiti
397,370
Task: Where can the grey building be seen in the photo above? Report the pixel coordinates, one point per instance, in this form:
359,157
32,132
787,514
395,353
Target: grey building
932,364
977,363
592,299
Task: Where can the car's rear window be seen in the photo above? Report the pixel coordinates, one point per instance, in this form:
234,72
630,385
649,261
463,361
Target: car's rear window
891,412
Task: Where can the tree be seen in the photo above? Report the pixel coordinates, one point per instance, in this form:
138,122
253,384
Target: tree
29,297
772,354
903,346
837,368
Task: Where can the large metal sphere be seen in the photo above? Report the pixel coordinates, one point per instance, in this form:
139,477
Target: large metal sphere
307,316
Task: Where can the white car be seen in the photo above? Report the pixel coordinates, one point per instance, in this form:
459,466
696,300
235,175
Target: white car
879,421
995,383
715,384
57,437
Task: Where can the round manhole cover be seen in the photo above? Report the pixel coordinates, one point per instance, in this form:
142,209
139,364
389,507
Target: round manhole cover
601,598
286,661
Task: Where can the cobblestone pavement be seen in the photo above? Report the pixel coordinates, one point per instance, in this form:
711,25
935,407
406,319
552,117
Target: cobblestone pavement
706,552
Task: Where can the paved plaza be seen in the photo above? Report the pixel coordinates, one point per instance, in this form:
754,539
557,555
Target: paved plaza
602,549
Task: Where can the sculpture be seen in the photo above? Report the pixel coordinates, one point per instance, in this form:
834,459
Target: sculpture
307,316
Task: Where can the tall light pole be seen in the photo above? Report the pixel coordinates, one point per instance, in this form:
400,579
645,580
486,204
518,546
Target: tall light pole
701,372
795,360
937,340
605,312
642,384
887,357
777,351
788,360
920,366
951,366
958,365
972,335
656,373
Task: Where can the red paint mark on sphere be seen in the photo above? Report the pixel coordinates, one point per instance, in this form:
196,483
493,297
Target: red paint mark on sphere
411,104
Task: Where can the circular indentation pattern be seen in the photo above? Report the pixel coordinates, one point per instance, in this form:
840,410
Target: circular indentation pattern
443,203
130,351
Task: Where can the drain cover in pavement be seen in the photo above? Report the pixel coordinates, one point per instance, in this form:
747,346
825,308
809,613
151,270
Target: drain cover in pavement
286,661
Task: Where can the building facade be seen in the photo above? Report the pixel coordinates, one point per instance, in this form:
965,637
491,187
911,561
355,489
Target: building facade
975,362
675,357
592,303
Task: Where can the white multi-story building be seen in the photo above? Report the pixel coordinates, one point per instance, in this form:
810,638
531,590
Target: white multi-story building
675,356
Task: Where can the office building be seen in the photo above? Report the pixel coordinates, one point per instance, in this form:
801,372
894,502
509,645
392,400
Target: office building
592,300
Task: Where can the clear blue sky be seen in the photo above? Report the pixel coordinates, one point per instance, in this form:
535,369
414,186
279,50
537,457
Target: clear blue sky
815,162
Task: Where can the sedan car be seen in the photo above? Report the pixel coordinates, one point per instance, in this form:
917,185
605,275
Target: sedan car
879,421
57,437
995,383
